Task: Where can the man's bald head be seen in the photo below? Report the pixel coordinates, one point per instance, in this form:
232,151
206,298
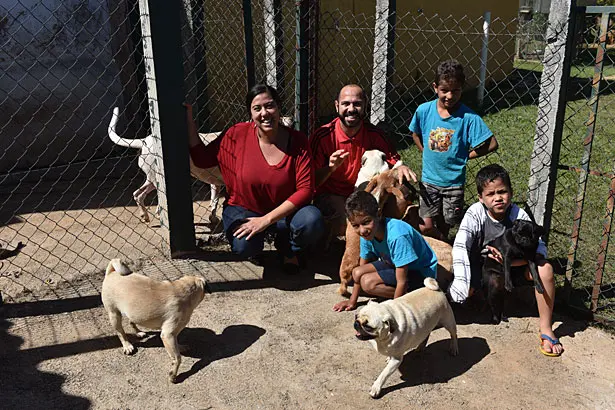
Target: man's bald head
354,88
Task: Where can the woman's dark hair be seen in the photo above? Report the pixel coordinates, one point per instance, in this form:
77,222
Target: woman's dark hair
490,173
450,70
259,89
361,202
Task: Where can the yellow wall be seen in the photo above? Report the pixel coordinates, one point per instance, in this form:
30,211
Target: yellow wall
345,53
423,39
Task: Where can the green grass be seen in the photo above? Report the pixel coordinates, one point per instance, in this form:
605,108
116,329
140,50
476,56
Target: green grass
578,70
514,129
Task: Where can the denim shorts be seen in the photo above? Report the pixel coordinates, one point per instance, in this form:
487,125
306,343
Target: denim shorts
387,274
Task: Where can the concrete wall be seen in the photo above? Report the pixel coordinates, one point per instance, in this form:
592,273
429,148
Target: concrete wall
58,82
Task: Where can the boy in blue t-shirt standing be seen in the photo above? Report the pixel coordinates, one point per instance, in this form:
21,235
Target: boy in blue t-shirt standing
448,133
395,258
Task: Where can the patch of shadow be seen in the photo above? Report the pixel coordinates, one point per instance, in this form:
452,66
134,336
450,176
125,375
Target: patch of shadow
272,277
23,385
434,364
207,346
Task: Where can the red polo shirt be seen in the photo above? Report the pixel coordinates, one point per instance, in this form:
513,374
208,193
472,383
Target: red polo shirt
250,181
330,138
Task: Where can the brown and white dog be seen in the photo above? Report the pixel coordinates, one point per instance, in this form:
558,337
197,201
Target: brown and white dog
393,201
155,305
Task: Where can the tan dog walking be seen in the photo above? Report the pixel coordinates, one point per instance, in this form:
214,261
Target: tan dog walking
156,305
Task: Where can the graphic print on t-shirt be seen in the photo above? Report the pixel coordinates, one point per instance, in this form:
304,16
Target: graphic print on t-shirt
440,139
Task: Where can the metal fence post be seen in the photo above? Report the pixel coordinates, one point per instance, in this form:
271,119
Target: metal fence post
384,58
314,20
484,55
274,60
551,108
249,40
302,70
161,27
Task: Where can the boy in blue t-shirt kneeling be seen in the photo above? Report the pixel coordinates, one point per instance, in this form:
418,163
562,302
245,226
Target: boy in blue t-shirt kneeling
395,258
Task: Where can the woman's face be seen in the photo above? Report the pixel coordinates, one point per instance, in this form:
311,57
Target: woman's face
265,113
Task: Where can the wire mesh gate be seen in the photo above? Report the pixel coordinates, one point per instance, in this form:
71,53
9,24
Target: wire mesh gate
68,189
588,138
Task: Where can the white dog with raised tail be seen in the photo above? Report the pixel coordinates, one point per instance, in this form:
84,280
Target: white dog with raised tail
147,163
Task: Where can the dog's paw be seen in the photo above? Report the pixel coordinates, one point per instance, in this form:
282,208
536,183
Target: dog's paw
172,377
144,217
128,349
375,392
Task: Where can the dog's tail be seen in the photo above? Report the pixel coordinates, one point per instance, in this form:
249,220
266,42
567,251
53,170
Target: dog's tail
136,143
431,283
116,265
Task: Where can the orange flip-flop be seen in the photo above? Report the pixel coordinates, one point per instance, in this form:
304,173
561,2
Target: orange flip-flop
552,342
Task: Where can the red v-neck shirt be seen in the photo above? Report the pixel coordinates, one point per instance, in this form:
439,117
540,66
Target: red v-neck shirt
250,181
330,138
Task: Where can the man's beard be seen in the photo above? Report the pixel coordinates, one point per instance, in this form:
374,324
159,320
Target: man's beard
358,124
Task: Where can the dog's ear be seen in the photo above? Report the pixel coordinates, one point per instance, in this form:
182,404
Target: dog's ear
397,192
390,323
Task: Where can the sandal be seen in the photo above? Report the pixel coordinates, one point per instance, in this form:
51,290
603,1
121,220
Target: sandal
552,342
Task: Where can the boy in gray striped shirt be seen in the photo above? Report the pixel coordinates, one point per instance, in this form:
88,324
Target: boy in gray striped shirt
484,221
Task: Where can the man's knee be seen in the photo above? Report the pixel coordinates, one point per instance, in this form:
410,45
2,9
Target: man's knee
308,224
332,208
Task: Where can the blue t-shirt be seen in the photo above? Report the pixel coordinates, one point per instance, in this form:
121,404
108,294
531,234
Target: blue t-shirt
447,142
402,245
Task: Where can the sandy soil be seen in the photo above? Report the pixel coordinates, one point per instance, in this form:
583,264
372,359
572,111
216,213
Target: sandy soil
263,340
259,340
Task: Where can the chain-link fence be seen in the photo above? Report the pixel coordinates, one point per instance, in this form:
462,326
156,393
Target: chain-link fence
68,189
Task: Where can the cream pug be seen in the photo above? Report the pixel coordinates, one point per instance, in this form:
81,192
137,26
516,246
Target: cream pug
399,325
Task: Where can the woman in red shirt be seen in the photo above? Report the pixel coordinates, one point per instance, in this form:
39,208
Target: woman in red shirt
267,169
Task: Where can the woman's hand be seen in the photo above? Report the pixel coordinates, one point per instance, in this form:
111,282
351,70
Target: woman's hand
251,227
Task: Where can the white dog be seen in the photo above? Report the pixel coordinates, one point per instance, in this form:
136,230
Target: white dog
156,305
147,163
373,162
399,325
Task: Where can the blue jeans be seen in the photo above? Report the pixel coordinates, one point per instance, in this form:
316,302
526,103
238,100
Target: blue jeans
293,234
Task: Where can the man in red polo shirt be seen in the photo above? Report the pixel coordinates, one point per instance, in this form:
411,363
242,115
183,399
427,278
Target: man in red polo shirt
337,148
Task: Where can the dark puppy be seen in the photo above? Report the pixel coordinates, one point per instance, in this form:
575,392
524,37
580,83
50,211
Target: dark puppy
518,242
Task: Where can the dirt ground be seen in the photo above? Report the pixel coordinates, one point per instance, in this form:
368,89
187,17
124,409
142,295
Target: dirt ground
266,341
